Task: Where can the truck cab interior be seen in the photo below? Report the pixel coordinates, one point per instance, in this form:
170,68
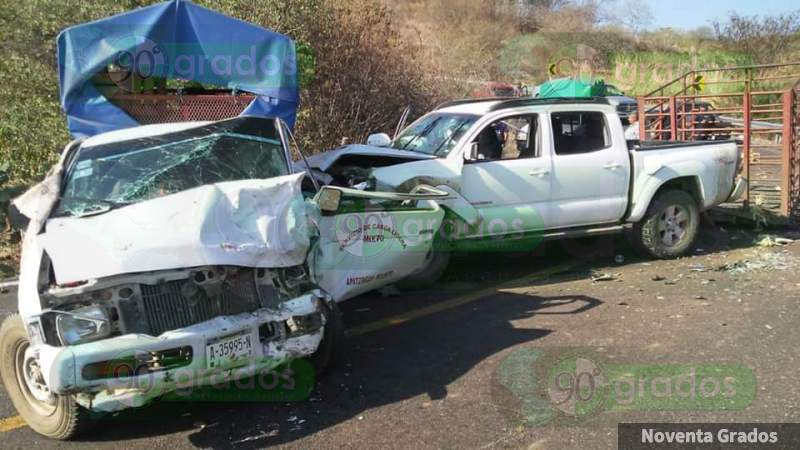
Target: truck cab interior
515,137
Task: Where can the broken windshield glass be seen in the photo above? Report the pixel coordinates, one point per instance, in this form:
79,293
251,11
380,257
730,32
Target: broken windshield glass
106,177
434,134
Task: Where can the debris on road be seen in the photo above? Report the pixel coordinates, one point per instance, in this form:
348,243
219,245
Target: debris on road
763,261
772,241
604,277
699,268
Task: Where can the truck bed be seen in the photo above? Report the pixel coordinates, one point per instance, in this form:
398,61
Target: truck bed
644,146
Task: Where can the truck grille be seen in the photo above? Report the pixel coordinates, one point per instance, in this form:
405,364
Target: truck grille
176,304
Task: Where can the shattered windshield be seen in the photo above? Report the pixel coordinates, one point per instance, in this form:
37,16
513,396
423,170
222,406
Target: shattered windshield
103,177
434,134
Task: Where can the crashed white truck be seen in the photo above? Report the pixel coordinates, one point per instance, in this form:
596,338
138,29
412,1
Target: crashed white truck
523,170
177,255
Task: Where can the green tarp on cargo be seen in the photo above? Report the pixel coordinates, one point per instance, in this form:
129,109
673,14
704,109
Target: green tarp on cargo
567,87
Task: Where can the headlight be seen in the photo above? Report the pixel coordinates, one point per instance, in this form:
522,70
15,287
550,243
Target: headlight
83,325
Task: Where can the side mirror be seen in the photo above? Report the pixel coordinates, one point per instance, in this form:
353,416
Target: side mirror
379,140
329,199
473,154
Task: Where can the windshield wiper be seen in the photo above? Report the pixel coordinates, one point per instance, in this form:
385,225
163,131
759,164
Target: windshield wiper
449,138
424,131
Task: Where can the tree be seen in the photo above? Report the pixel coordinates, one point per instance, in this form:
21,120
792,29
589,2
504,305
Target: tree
635,15
765,38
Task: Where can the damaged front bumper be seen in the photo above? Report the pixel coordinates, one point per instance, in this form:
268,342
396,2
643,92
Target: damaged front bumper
129,370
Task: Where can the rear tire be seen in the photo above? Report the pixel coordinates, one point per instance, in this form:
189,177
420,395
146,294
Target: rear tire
58,418
669,227
331,349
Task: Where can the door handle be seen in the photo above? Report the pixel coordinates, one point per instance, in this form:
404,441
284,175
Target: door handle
612,166
538,172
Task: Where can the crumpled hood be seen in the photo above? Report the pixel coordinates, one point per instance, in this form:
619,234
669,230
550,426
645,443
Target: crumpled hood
252,223
323,161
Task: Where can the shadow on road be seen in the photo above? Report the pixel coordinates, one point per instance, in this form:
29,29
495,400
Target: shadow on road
421,357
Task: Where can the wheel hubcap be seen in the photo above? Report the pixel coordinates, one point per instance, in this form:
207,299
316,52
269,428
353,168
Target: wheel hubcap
31,381
672,225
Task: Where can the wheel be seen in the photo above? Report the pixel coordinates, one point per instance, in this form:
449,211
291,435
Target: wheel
669,227
331,348
427,276
52,415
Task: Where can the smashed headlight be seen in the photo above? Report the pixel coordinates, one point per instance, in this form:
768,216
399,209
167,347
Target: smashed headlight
157,302
292,281
82,325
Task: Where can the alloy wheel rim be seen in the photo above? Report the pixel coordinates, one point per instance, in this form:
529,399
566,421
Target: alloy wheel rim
672,225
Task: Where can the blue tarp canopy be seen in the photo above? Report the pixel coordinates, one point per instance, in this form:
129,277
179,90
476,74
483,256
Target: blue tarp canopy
174,40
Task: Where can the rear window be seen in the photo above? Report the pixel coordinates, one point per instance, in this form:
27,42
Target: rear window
577,132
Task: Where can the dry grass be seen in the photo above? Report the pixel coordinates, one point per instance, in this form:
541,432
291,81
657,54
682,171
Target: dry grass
10,248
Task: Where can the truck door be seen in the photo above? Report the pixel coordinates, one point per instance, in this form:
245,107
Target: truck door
373,239
509,182
590,172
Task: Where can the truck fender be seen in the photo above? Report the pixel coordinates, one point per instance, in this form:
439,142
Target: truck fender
654,183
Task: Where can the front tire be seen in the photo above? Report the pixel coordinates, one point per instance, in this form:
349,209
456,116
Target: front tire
669,227
331,349
435,267
51,415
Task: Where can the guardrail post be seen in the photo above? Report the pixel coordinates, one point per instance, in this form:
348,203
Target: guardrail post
746,140
786,156
673,118
642,119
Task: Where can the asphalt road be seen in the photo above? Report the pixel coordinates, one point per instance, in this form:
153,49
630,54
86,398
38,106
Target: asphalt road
435,369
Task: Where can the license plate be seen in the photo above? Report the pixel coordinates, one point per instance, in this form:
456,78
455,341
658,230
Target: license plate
229,351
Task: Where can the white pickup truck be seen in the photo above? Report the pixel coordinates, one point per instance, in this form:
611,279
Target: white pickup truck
542,169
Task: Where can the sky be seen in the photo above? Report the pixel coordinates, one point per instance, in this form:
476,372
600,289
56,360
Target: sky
689,14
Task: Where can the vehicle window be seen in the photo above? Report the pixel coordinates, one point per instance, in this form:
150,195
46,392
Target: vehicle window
434,134
579,132
509,138
107,176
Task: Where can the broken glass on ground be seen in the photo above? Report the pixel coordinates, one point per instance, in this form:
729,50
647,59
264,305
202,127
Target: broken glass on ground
767,261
